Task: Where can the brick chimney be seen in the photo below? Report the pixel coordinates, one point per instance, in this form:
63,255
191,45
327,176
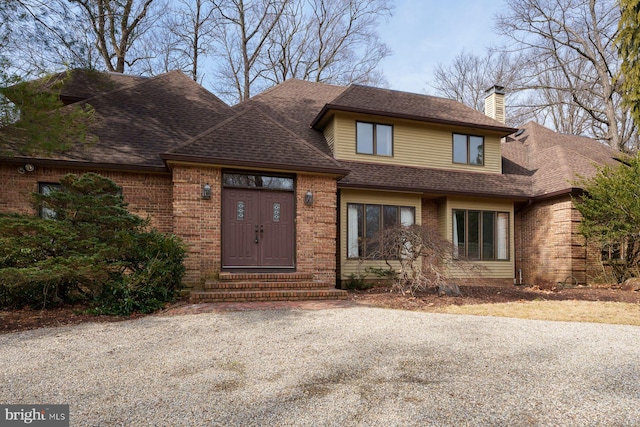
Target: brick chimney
494,103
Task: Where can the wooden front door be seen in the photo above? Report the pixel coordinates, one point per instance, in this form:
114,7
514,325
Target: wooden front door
257,228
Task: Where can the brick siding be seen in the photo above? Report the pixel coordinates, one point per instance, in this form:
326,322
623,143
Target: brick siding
549,247
148,194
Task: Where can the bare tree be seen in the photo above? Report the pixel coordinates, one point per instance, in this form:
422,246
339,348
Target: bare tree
182,40
329,41
46,35
572,59
246,26
468,77
116,25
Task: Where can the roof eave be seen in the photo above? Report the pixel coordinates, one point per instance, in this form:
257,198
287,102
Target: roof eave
167,157
432,191
83,164
505,130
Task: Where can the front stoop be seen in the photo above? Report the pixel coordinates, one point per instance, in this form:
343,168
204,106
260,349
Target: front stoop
236,287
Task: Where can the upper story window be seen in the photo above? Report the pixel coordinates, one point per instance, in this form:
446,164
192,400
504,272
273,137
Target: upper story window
374,138
468,149
47,188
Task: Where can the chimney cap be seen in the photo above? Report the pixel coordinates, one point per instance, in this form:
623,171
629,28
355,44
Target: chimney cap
497,89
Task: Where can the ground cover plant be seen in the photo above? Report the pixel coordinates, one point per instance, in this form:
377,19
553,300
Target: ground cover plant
85,247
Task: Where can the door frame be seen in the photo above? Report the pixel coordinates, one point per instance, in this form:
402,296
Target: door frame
294,208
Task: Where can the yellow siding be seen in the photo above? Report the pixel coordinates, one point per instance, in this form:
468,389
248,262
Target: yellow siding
354,266
486,269
329,134
414,144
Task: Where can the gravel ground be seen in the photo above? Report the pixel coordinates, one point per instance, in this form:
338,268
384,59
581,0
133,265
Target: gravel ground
342,367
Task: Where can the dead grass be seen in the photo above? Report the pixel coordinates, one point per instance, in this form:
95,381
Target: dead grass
618,313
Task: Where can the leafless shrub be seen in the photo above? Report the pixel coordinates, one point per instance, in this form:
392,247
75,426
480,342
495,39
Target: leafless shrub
417,257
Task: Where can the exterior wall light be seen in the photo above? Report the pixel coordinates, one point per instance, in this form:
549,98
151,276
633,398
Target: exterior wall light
206,192
26,168
308,198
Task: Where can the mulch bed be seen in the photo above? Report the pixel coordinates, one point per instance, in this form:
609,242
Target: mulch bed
24,319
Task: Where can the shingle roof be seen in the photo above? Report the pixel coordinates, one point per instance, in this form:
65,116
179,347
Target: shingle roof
135,123
391,103
253,138
434,181
553,160
83,84
295,103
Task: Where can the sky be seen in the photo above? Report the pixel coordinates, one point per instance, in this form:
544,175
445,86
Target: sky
423,33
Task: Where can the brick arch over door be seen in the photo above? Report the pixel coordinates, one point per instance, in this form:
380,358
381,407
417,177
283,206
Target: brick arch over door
258,221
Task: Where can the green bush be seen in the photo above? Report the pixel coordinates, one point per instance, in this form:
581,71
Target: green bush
93,251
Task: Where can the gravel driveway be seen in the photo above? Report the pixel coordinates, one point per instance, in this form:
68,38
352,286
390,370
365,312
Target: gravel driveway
338,367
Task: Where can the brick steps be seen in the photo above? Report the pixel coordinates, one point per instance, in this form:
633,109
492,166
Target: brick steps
219,286
267,295
244,287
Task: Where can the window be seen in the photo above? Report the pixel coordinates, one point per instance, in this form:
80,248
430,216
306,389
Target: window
364,222
612,252
46,188
372,138
468,149
248,180
480,235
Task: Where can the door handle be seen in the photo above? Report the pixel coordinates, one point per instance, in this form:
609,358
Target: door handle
256,238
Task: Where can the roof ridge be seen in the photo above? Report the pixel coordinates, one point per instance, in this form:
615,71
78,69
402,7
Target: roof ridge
298,137
136,84
209,130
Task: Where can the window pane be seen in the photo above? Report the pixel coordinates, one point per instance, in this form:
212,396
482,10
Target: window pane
476,150
384,140
502,236
257,181
390,216
364,135
459,148
458,234
372,226
487,235
47,189
354,230
407,216
473,235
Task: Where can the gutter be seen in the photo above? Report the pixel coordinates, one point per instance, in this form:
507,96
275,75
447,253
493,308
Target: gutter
214,161
18,161
328,107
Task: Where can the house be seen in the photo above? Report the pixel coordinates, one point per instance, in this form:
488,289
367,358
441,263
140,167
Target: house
280,194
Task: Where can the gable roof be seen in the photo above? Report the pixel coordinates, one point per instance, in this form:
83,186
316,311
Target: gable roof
552,160
411,106
137,122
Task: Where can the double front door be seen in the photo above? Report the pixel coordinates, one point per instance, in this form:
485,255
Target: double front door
257,228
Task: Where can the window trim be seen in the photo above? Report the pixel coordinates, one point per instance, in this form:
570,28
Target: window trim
361,238
496,231
375,138
468,156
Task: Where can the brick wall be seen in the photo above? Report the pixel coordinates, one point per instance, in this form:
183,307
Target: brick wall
174,205
549,247
148,194
317,255
197,221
